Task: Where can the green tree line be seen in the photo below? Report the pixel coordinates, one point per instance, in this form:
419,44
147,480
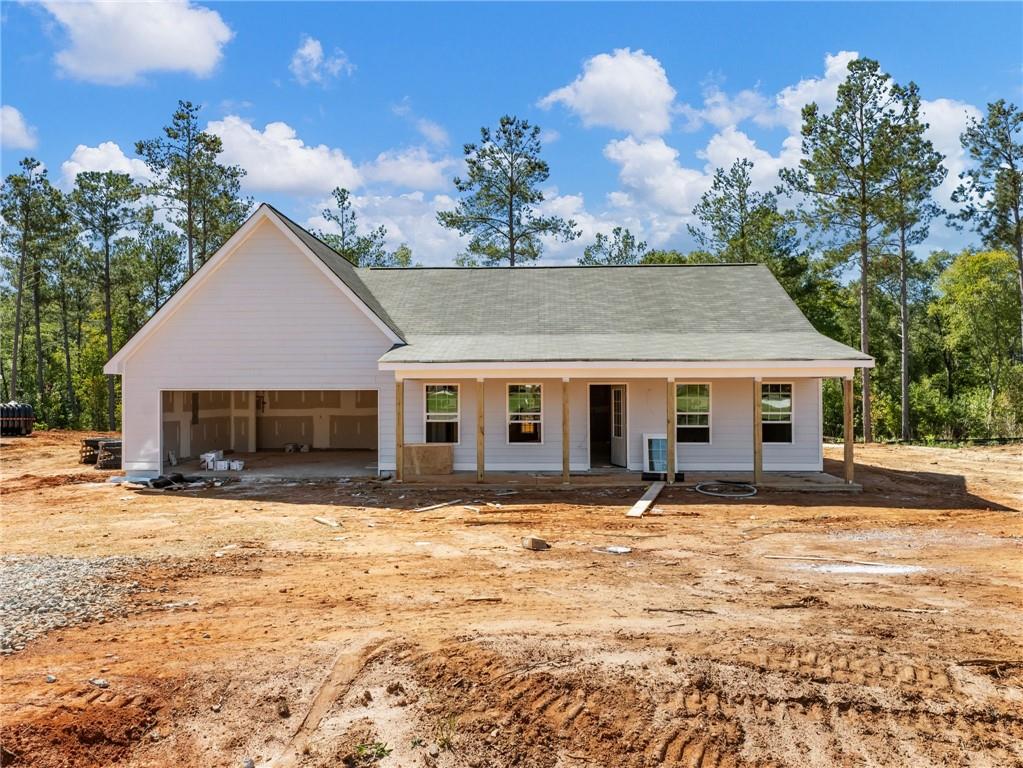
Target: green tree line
82,270
839,234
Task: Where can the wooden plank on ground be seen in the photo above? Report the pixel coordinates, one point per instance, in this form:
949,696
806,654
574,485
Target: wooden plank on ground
436,506
646,500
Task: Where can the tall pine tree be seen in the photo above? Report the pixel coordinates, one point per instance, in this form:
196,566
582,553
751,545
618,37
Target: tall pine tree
844,177
502,193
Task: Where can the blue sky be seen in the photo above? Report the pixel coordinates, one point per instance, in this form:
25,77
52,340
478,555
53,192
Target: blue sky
639,103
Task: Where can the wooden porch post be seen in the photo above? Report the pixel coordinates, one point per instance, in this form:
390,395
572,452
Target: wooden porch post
480,431
399,429
670,430
847,427
758,433
565,444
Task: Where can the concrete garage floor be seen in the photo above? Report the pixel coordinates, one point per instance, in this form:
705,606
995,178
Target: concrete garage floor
277,465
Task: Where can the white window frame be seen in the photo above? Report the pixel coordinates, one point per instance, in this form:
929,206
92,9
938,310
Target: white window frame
647,437
792,413
618,430
508,413
710,411
426,415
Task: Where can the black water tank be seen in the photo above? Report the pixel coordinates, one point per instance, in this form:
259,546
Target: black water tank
16,418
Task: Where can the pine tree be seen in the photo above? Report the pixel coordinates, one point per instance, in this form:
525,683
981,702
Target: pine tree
203,194
620,248
915,170
845,177
104,204
502,193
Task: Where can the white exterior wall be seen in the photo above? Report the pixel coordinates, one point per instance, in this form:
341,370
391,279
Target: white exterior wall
731,446
267,318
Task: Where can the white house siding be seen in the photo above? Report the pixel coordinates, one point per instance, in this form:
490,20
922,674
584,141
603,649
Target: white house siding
731,446
266,319
500,455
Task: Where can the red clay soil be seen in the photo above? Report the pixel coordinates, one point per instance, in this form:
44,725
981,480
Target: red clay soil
404,639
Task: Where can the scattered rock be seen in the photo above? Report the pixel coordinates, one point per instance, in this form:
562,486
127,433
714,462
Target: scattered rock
99,682
248,762
534,543
395,688
51,679
40,593
283,711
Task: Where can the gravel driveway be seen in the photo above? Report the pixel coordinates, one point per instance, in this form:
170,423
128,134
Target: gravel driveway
38,594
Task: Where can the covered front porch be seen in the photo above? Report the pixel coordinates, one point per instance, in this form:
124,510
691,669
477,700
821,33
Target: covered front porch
536,427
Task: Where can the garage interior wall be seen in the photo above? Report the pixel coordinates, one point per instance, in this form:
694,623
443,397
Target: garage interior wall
249,421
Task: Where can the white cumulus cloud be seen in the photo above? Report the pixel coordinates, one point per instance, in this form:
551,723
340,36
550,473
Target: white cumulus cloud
721,110
627,90
947,119
651,173
115,43
15,132
107,156
412,168
309,64
277,160
788,104
409,218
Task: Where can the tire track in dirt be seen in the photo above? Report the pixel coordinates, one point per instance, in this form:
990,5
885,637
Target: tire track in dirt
708,714
838,667
346,668
80,724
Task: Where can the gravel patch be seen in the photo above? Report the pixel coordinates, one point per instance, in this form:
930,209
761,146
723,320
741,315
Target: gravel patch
41,593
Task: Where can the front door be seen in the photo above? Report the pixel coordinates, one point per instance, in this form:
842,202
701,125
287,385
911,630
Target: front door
619,427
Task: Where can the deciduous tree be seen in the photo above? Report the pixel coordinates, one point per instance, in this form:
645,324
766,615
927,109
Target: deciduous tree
992,188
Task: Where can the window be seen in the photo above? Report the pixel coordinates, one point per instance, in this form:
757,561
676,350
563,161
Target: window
655,454
442,413
776,413
692,413
525,413
616,411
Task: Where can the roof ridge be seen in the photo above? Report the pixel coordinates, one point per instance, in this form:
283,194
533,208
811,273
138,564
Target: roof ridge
572,266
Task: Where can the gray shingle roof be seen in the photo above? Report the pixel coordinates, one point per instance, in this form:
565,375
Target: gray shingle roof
647,313
685,313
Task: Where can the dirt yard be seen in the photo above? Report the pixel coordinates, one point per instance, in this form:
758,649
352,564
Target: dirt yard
398,638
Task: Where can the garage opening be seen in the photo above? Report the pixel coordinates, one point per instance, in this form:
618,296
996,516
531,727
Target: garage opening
274,433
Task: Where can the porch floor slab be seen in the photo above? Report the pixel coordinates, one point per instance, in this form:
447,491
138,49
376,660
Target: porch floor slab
818,482
278,465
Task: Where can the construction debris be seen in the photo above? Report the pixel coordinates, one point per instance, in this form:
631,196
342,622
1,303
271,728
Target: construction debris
678,610
645,500
534,543
726,489
483,599
437,506
818,559
614,550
